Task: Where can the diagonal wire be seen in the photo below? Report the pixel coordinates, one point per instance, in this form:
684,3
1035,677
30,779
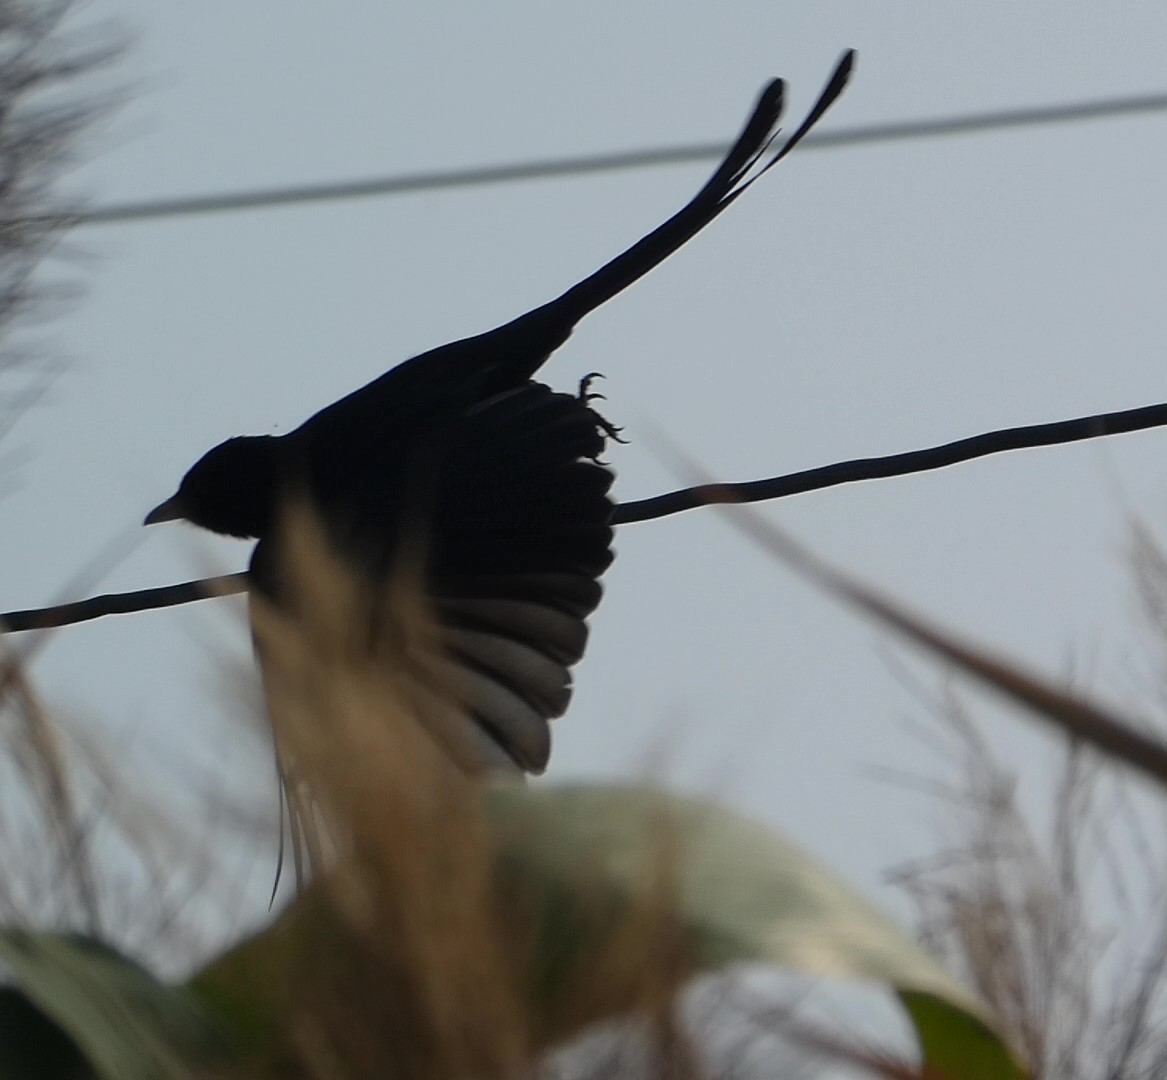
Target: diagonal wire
437,180
627,513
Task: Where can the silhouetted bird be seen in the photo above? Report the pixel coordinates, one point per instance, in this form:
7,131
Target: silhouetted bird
500,474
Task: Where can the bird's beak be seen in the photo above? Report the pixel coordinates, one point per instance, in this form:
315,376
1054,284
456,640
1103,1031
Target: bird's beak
171,510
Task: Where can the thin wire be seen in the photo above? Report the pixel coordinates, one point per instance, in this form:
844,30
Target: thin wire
626,513
154,209
1057,433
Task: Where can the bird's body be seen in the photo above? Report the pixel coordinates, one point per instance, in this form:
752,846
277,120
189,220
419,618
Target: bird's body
499,474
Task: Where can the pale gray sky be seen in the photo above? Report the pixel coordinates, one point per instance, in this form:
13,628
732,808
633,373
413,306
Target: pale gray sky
856,302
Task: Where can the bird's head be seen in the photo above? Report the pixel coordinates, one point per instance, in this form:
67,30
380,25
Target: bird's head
231,489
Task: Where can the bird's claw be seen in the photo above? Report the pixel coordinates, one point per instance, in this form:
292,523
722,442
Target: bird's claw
585,387
610,430
587,396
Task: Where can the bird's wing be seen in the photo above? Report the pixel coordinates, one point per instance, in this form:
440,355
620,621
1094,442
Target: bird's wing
509,512
520,534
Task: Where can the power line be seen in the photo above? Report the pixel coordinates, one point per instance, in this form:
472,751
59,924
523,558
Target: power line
900,131
675,502
1056,433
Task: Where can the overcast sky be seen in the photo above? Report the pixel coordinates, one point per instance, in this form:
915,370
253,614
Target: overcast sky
857,302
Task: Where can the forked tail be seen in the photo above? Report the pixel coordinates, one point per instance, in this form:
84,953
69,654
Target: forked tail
737,171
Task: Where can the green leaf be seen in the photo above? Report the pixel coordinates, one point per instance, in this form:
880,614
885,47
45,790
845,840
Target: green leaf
125,1023
590,875
32,1045
250,986
739,893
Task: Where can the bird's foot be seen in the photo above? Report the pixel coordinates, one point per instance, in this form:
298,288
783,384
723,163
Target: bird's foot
585,387
587,396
